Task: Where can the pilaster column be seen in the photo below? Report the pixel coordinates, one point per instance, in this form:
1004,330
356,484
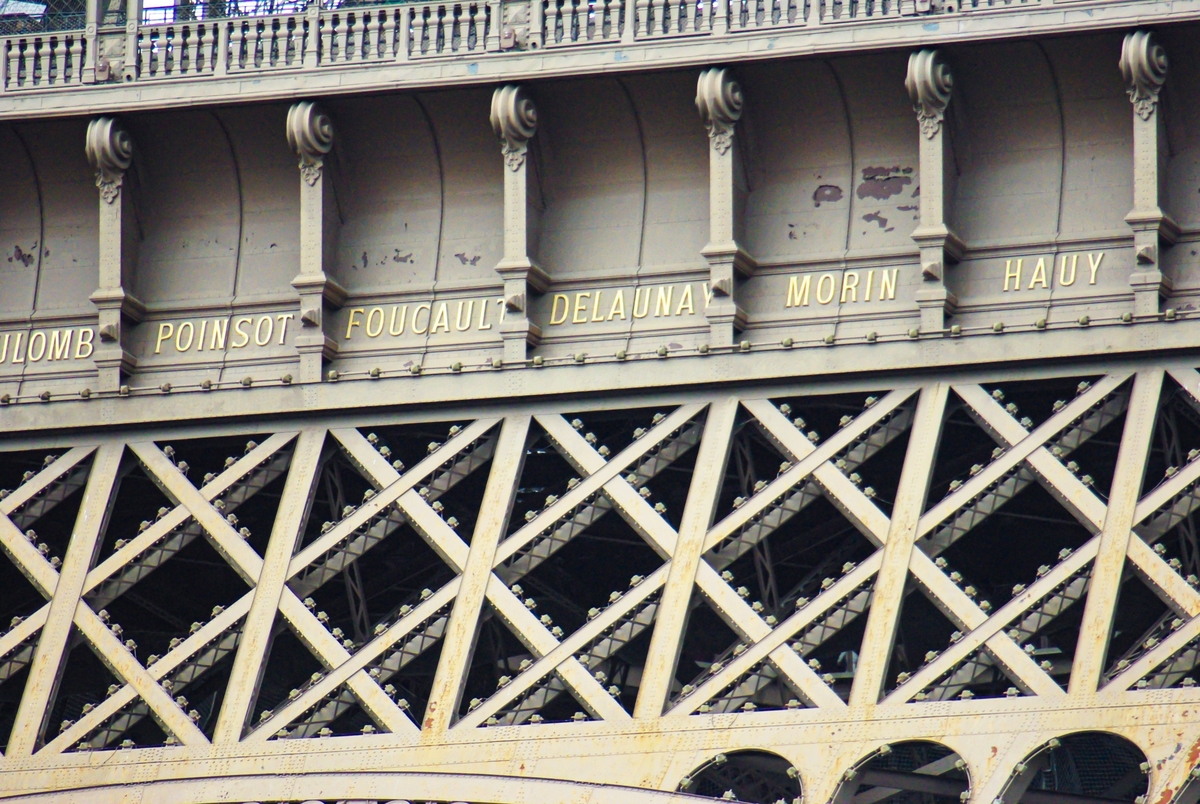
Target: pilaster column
514,119
719,101
1144,67
310,135
110,151
929,84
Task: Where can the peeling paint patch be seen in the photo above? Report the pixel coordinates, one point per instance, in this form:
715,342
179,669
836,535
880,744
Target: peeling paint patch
875,217
827,192
908,208
881,183
22,256
465,260
398,257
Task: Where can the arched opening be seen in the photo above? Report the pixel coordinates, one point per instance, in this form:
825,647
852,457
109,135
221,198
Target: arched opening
916,772
1086,768
759,777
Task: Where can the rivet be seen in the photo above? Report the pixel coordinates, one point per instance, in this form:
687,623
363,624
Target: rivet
662,351
165,387
702,348
998,326
1169,313
286,379
786,343
914,333
1084,320
247,382
620,355
580,357
872,337
332,376
497,363
1040,323
124,389
538,360
414,369
744,346
44,396
828,340
205,385
1127,318
375,372
456,366
956,330
85,393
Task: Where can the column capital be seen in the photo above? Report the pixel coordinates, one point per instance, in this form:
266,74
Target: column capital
719,100
310,135
929,84
109,148
514,119
1144,68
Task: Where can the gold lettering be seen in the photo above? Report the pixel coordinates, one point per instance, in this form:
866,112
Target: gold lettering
220,330
851,286
1013,275
191,331
1062,270
555,318
80,342
60,345
200,342
416,312
17,356
392,322
282,319
1039,274
686,301
822,296
270,322
887,284
707,295
238,329
459,325
580,308
165,330
351,324
42,351
4,352
597,315
870,281
442,319
618,306
663,305
637,296
483,305
797,292
1094,266
371,330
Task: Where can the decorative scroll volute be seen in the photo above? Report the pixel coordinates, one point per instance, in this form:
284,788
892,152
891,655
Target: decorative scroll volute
929,84
514,119
1144,67
310,135
109,149
719,100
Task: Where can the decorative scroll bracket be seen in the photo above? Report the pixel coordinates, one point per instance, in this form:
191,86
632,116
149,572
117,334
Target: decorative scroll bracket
929,83
514,120
310,136
109,149
1144,68
720,102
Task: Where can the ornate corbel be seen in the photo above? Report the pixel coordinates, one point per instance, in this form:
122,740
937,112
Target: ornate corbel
930,84
109,149
720,102
514,119
310,136
1144,68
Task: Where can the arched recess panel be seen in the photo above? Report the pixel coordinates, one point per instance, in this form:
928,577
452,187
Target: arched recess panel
1007,144
676,226
269,253
389,191
590,169
799,161
20,229
473,217
884,205
1097,123
70,253
187,208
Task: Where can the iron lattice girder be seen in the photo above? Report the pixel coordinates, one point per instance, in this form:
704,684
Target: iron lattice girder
567,664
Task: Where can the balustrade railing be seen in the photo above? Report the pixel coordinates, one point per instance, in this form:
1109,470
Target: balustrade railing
220,37
43,60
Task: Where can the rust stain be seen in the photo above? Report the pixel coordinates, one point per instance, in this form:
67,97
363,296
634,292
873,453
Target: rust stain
1166,796
993,752
882,183
827,192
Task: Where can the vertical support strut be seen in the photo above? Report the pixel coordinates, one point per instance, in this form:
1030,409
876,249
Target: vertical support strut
888,596
1098,610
